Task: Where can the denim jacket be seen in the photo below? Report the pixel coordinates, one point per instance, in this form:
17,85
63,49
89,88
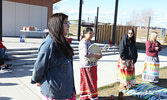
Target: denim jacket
55,75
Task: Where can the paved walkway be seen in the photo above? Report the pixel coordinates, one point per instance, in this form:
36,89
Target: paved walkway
16,85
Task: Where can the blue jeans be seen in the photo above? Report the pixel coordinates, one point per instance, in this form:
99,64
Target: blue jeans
2,55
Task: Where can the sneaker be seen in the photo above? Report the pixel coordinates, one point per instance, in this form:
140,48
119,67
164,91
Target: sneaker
8,66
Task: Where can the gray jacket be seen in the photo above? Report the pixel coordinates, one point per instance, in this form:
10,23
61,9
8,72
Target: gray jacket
54,74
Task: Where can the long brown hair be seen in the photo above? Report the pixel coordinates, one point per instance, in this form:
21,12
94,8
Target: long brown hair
132,39
56,30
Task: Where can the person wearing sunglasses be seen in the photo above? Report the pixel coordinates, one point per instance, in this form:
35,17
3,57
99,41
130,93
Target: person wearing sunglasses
127,60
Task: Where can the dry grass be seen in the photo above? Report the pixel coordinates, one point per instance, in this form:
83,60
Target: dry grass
74,31
142,34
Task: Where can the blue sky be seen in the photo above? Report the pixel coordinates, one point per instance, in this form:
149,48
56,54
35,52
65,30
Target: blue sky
126,9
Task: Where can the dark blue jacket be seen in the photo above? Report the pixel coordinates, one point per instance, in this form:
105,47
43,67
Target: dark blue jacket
128,50
54,74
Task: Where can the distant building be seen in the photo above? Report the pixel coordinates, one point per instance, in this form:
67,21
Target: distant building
19,13
75,21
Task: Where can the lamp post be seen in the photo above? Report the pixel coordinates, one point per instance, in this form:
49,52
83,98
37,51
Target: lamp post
148,27
115,22
96,24
79,22
1,20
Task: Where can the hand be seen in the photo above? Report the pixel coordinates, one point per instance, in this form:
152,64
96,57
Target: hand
99,56
38,85
90,55
123,61
156,48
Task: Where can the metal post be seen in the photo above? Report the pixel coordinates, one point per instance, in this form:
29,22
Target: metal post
1,20
96,25
79,22
88,19
115,22
148,27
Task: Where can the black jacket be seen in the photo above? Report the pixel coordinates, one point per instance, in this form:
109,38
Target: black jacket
128,50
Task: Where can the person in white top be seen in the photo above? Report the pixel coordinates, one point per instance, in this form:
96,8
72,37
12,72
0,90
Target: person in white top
88,70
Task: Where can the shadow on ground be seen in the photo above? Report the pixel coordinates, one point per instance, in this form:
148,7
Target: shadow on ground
124,98
7,84
5,98
162,83
22,60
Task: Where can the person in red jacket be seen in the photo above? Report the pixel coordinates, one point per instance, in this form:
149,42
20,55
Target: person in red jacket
2,46
2,57
5,51
151,65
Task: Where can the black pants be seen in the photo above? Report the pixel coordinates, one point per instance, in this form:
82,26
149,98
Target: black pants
1,61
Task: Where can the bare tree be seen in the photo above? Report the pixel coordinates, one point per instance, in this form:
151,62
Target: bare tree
129,23
140,18
145,16
135,16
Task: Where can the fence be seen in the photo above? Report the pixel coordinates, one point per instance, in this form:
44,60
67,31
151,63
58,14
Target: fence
104,33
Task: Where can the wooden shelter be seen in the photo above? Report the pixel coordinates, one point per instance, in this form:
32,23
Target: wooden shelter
19,13
45,3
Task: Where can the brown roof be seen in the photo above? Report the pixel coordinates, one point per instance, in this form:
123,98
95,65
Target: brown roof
55,1
35,2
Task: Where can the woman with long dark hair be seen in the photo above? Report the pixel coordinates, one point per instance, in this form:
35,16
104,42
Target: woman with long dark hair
127,60
53,69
